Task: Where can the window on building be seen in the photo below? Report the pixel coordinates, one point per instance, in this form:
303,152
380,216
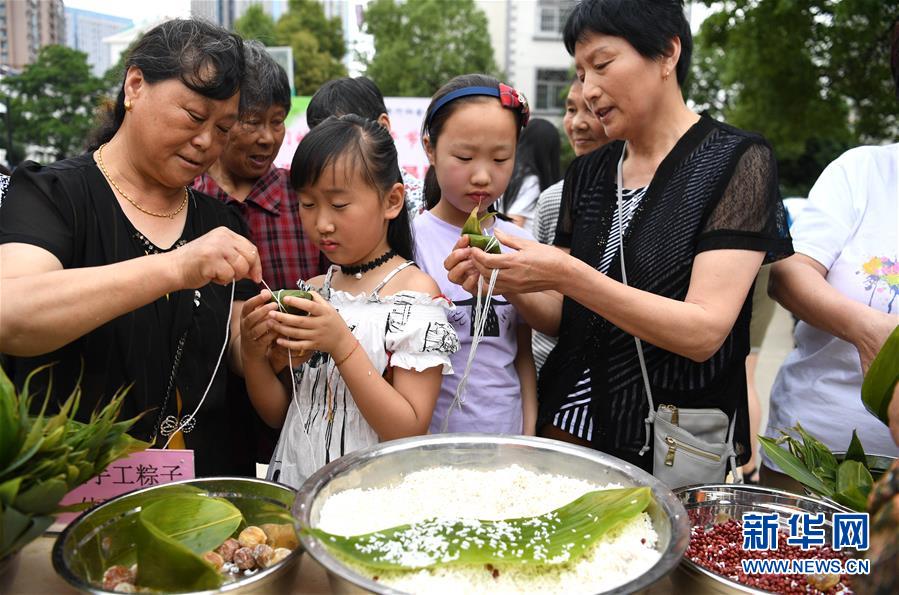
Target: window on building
551,16
551,87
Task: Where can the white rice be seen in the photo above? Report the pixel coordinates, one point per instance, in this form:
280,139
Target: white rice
444,492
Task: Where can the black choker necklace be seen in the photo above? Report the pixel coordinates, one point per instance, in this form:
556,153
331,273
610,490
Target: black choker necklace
357,271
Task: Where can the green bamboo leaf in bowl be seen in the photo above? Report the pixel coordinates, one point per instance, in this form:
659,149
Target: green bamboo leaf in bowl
173,533
856,452
167,565
854,483
200,523
552,538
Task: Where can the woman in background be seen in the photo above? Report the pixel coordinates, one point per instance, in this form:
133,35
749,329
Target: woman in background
536,169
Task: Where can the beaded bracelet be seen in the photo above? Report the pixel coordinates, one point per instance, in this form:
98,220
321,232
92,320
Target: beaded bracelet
338,364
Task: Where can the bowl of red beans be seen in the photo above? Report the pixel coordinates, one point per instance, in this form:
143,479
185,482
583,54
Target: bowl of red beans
733,550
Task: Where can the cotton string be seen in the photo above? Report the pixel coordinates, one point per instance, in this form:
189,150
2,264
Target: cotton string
293,380
189,418
480,320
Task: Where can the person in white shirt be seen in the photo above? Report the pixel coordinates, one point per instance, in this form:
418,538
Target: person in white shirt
843,285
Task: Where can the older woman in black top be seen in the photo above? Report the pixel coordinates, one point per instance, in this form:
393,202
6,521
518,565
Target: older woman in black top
700,211
117,272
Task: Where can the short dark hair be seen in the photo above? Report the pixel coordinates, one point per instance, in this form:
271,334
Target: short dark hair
205,57
435,120
369,149
360,96
648,25
266,81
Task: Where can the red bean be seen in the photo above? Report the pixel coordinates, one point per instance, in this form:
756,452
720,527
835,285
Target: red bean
719,550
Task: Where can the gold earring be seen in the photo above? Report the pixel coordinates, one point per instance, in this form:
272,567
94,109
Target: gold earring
666,75
128,105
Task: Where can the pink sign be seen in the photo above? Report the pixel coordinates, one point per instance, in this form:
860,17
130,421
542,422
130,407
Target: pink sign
140,470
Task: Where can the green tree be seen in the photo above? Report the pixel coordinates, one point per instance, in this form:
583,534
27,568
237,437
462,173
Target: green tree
54,100
256,24
317,42
811,75
421,44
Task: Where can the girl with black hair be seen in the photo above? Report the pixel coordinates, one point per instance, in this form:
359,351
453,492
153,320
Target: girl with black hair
369,352
537,168
470,133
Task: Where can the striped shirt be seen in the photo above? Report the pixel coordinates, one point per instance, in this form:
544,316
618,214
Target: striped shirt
574,415
545,221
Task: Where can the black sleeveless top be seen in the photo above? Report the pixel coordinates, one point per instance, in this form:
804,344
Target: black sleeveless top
716,189
68,209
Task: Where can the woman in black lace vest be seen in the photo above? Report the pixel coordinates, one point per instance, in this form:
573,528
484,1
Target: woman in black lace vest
701,212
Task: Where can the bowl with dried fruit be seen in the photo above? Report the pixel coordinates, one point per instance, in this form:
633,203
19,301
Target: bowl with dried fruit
197,536
713,562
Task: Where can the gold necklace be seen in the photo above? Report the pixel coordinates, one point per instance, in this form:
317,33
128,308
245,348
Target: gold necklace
128,198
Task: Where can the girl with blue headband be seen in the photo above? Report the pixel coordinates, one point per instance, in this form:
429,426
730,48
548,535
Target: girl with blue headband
470,133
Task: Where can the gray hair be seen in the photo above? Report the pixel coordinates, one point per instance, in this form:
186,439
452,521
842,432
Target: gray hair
266,81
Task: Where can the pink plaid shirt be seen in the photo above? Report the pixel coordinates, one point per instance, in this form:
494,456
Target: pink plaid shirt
272,212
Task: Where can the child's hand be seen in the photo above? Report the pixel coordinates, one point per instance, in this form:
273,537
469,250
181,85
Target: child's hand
278,358
322,330
460,267
256,332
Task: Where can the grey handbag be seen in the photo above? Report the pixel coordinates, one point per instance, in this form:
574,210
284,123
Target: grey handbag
690,446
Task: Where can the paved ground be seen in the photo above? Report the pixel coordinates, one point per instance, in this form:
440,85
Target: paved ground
777,344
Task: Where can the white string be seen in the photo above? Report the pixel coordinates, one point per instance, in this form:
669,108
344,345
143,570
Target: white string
293,382
189,418
480,320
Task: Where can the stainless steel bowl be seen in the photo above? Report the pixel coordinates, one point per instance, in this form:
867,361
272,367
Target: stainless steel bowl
705,502
385,464
81,552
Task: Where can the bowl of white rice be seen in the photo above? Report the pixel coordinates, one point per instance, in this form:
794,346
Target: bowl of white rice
487,477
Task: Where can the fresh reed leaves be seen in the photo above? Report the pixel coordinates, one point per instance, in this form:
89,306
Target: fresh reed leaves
847,481
43,458
552,538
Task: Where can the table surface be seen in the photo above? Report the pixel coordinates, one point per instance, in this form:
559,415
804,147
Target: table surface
34,574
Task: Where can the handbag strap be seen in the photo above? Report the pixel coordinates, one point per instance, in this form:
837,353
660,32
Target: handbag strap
651,415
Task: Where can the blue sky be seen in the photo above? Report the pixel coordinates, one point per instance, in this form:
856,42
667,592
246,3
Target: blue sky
136,11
